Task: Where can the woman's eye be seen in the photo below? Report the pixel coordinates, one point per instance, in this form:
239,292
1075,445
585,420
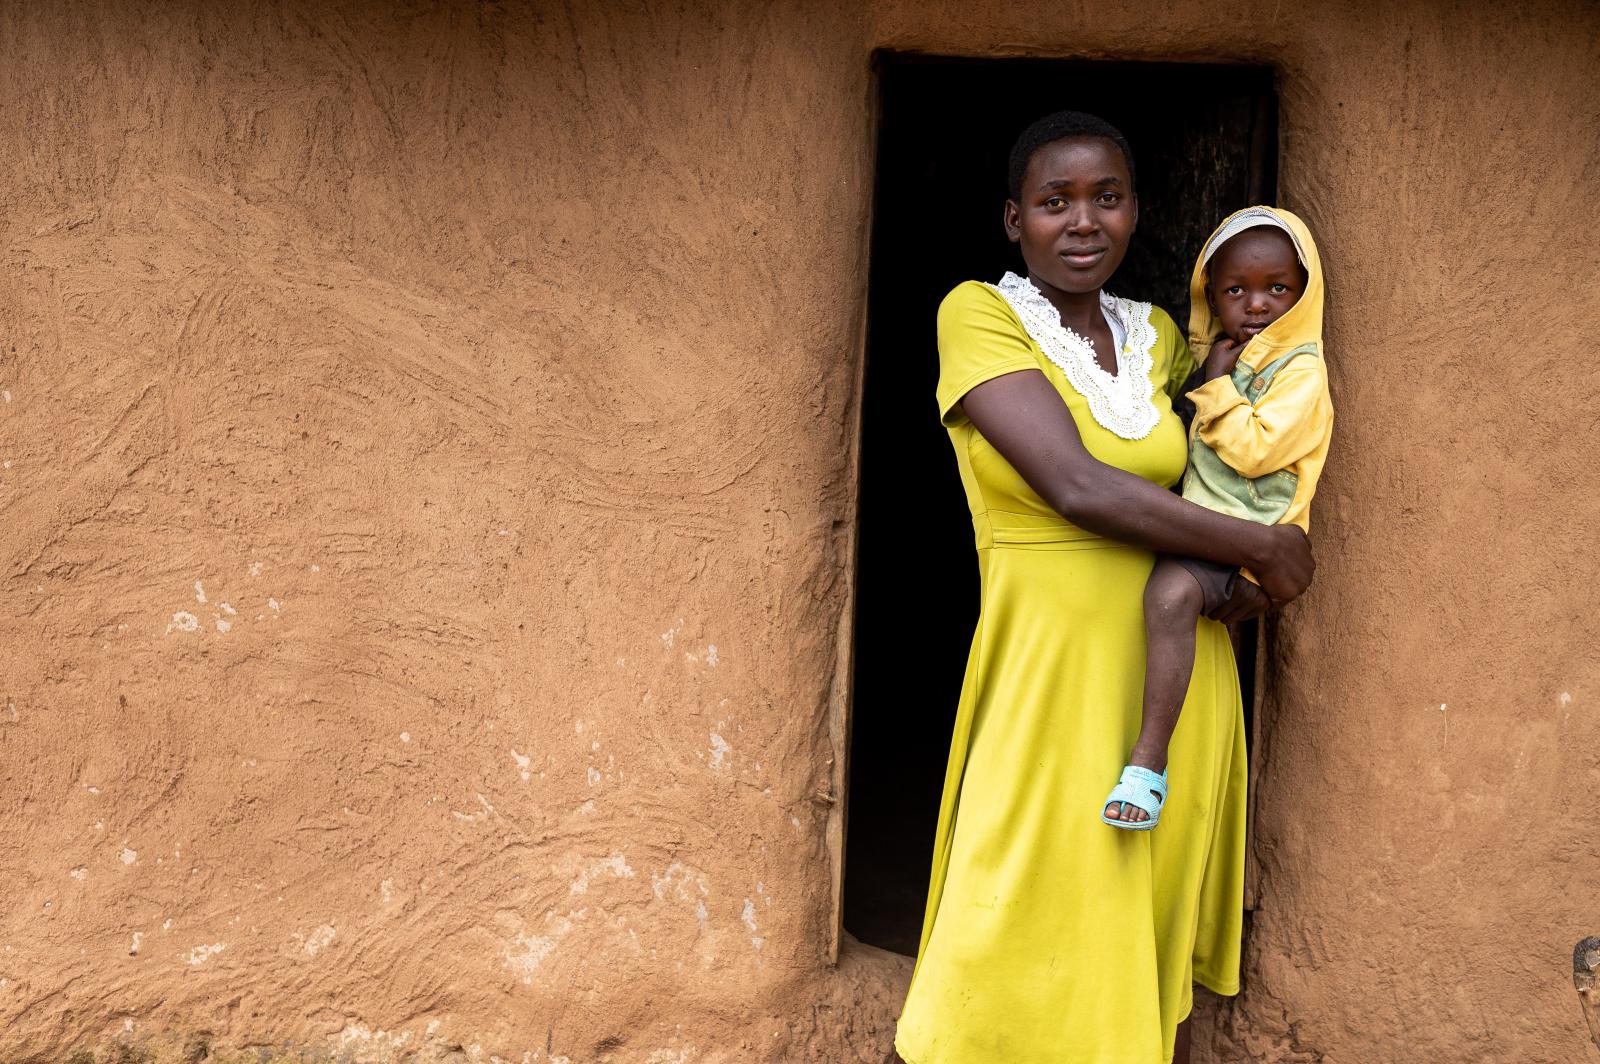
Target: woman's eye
1109,199
1054,201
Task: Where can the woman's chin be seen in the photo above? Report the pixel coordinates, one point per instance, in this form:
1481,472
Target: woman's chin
1064,277
1078,282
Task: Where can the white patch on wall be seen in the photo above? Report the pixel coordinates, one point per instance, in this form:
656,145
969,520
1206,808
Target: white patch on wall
481,814
671,634
681,883
375,1044
272,604
616,865
201,954
526,952
133,947
586,808
719,750
129,856
184,621
386,891
593,775
669,1056
405,737
748,917
711,655
522,761
199,593
317,941
255,568
80,873
223,626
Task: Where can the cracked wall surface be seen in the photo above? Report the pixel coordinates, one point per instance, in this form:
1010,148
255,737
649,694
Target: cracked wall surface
428,488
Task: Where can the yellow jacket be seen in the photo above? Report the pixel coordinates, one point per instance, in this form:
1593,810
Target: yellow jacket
1260,436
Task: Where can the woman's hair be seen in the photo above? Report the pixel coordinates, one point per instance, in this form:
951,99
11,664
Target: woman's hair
1061,126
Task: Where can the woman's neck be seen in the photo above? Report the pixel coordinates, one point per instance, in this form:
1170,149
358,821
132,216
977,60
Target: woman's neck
1080,311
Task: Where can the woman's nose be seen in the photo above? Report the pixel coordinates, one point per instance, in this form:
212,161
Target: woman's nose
1081,221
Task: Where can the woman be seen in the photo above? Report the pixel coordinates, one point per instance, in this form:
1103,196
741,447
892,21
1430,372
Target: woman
1049,936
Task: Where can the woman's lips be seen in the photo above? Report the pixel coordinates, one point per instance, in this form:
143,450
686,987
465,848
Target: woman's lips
1081,257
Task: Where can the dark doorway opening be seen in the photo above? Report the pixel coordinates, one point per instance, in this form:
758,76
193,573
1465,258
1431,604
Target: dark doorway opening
1205,141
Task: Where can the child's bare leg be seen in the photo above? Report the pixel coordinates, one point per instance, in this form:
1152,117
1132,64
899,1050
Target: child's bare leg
1172,603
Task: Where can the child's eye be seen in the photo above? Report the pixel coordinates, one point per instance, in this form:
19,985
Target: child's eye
1235,289
1279,289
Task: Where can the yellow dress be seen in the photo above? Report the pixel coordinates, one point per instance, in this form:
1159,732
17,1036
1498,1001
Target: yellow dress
1049,937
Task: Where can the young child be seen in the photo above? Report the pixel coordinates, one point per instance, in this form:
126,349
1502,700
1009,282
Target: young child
1260,434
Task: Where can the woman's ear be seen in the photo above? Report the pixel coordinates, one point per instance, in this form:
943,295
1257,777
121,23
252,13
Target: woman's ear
1013,221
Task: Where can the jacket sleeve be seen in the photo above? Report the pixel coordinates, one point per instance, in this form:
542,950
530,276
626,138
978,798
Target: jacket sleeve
1284,425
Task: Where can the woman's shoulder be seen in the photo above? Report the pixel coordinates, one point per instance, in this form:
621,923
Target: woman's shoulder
973,307
971,297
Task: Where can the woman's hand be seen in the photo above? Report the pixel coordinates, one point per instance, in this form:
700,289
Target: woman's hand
1285,566
1223,357
1246,602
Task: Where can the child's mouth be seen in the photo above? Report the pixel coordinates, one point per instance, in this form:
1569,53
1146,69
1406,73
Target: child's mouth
1251,328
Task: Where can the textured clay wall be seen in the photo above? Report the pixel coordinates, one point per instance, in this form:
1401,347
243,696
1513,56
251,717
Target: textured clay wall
427,439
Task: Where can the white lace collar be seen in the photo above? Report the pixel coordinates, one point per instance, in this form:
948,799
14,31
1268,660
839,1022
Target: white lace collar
1123,404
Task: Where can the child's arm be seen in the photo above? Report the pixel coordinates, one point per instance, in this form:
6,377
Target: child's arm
1285,424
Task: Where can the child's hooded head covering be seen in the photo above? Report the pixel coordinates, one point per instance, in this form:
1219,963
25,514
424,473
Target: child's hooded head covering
1300,324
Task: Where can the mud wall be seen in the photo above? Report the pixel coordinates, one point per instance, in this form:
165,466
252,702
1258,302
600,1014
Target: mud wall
427,437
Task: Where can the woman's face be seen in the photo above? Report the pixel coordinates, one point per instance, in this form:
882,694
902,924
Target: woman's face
1076,213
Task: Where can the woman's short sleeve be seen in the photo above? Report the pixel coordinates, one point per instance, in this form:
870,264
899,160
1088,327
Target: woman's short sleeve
1180,363
979,339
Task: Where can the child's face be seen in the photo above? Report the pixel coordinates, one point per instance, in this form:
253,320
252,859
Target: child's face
1254,278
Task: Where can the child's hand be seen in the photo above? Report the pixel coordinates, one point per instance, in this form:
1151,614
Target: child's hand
1223,357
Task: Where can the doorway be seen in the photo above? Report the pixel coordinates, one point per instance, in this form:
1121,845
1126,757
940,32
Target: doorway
1205,141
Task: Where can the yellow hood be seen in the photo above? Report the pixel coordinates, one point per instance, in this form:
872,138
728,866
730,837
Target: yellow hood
1301,325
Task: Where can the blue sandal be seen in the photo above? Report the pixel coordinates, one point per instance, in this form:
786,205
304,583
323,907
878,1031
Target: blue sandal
1134,788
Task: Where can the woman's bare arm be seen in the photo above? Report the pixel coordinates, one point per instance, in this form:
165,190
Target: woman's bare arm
1023,417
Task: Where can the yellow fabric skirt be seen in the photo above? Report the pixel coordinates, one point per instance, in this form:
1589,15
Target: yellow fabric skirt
1050,937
